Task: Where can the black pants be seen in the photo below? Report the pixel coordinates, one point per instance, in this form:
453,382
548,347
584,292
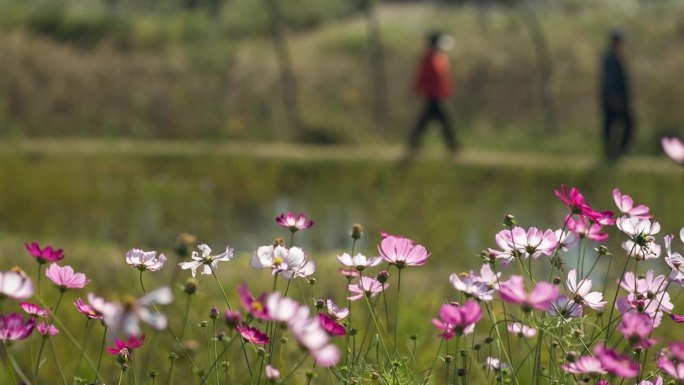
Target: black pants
433,111
617,132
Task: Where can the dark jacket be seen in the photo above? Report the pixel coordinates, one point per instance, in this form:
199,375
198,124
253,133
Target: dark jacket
615,93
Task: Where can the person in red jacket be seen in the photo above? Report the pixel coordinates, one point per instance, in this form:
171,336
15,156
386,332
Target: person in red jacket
433,83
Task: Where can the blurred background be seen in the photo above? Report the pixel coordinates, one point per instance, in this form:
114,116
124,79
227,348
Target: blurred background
124,123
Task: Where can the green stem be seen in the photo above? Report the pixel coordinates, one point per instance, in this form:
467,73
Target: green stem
215,350
99,359
617,289
15,365
434,361
225,296
181,335
59,366
121,372
84,342
396,310
142,285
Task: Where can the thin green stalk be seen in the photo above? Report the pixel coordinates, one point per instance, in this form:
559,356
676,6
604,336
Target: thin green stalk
182,334
99,360
142,285
44,340
121,375
15,365
617,289
396,310
225,296
59,366
39,279
427,377
215,350
84,343
377,327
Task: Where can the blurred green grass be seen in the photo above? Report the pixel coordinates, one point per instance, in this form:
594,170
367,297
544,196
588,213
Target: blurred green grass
76,68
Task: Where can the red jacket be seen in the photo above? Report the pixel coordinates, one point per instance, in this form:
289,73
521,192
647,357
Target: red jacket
433,79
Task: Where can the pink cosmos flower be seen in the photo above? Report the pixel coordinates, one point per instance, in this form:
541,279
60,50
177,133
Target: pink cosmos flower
585,365
206,260
294,223
126,317
626,206
455,319
540,298
402,252
14,328
566,239
492,363
565,307
615,363
273,374
330,325
48,254
145,260
254,306
657,381
350,273
252,335
47,330
581,292
521,330
671,360
338,313
678,318
674,259
33,310
130,345
674,148
579,206
650,289
531,243
359,261
65,277
15,285
637,329
370,287
280,308
584,229
641,243
86,309
314,338
480,286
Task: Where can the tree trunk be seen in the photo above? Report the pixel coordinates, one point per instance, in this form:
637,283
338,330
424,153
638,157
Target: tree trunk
376,63
288,79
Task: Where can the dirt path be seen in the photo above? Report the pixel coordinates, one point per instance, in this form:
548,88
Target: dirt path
291,151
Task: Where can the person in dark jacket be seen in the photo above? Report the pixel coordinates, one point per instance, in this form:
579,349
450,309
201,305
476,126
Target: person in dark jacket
433,83
615,99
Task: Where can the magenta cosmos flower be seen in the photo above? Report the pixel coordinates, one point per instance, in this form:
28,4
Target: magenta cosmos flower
13,327
65,277
294,223
402,252
540,298
615,363
130,345
458,320
15,285
252,335
370,287
330,325
625,204
86,309
254,306
579,206
145,260
637,329
48,254
674,148
585,229
47,330
33,310
671,360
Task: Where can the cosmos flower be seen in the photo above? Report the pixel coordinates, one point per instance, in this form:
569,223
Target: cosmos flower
232,318
338,313
145,260
252,335
566,239
565,307
492,363
294,223
359,261
675,259
206,259
254,306
402,252
48,254
581,292
131,344
585,365
65,277
330,325
626,206
273,374
15,285
458,320
513,291
33,310
479,286
13,327
367,286
657,381
585,229
311,335
641,243
579,206
615,363
674,148
637,329
291,263
671,360
521,330
47,330
126,317
86,309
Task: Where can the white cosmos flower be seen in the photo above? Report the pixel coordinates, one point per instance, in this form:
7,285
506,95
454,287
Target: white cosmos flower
339,313
206,259
359,261
126,317
145,260
15,285
674,259
291,262
641,243
581,292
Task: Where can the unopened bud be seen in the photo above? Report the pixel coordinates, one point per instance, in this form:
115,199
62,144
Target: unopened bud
184,244
232,318
375,375
279,242
488,340
190,286
320,304
383,276
477,347
261,352
461,372
123,356
509,220
283,340
311,281
203,324
556,280
152,373
173,356
214,312
356,231
571,357
602,250
413,336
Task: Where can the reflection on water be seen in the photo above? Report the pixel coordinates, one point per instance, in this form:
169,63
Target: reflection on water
455,211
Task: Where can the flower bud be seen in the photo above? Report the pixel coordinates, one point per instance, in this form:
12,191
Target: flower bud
203,324
477,347
152,373
556,280
448,358
311,281
461,372
214,313
571,356
375,375
353,331
383,276
232,318
173,356
123,356
356,231
602,250
261,352
283,340
279,242
190,286
509,220
488,340
413,336
320,304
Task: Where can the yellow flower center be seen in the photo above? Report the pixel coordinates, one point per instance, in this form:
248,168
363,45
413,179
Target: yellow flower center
277,261
257,306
